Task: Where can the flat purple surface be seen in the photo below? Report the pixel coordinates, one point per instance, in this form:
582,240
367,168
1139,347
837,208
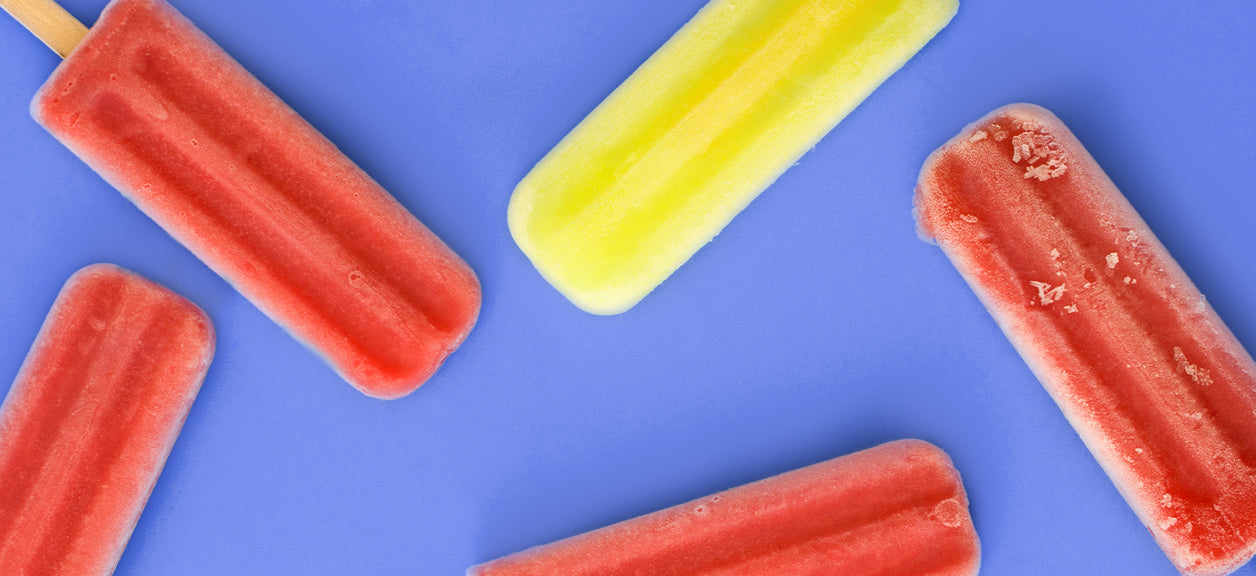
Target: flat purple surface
817,324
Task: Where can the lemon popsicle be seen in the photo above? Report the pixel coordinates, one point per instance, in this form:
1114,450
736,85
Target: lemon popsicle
898,509
87,426
1157,387
698,131
230,171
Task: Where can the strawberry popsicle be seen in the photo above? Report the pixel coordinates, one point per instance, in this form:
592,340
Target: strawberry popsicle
737,96
1159,389
229,170
87,426
896,509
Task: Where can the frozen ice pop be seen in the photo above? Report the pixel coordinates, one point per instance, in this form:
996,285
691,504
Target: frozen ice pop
87,426
898,509
738,95
1159,389
229,170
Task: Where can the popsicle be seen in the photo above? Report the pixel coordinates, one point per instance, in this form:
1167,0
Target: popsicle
895,509
1161,392
87,426
229,170
738,95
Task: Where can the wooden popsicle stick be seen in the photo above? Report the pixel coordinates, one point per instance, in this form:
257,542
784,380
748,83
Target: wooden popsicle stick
49,22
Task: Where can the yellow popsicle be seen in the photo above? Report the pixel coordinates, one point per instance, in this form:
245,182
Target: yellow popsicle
698,131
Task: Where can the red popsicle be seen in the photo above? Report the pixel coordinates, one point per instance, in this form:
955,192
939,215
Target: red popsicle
87,426
229,170
898,509
1156,385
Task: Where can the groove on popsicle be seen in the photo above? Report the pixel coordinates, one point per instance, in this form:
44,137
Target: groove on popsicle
277,254
634,201
658,105
402,301
1233,412
919,546
627,205
97,413
310,196
1203,413
893,509
105,435
899,535
1200,498
55,388
1122,390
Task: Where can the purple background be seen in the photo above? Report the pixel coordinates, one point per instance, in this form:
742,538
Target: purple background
817,324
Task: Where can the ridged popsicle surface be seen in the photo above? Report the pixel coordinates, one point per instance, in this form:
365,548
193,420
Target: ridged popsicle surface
1159,389
730,102
898,509
87,426
233,173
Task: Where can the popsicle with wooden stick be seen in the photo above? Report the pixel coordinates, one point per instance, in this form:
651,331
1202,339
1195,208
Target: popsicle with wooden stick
229,170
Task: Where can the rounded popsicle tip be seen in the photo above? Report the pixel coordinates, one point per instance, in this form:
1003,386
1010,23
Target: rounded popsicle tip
931,210
602,299
600,304
103,273
1204,558
386,386
97,270
397,367
941,11
923,452
953,512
